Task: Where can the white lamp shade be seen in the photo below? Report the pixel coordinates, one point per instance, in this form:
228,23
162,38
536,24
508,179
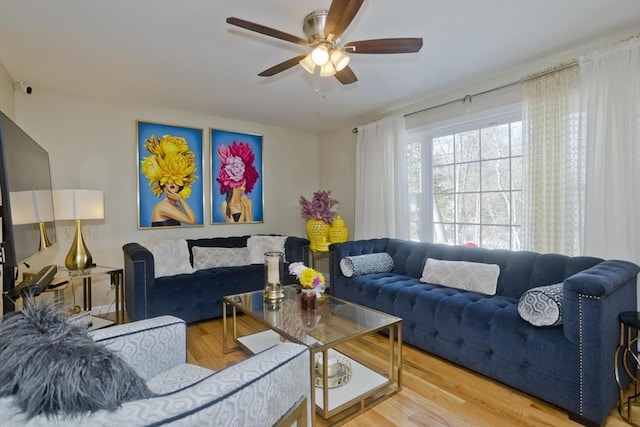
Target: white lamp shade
31,207
44,205
339,59
78,204
307,64
22,209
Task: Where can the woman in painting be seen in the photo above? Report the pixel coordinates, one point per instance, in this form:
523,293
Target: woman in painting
236,179
170,170
173,210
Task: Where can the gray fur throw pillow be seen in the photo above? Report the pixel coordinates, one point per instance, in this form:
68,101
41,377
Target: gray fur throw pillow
52,367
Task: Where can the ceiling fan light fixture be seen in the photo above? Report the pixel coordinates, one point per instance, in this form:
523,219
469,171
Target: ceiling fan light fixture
308,64
324,29
339,59
327,70
320,54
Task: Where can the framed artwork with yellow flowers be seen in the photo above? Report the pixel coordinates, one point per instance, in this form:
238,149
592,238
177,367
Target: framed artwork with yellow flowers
170,191
236,178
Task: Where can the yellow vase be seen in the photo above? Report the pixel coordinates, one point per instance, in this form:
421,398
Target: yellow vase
318,234
338,232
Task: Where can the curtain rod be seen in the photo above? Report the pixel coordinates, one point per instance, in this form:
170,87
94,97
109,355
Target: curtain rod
484,92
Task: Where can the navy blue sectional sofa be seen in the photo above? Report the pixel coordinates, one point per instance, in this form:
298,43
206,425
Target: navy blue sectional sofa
569,365
196,296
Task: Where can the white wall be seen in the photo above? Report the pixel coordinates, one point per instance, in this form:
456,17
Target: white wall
92,145
6,92
337,173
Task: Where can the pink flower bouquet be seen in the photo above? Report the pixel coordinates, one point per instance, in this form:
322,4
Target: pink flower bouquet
319,207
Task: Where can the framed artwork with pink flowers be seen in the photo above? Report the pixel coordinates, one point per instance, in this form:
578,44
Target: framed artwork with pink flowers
170,190
236,178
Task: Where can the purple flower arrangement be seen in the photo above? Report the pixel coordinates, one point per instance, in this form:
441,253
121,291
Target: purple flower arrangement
319,207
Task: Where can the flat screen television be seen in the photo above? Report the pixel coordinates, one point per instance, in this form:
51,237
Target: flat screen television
25,180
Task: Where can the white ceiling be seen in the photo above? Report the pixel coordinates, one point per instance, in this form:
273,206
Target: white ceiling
183,55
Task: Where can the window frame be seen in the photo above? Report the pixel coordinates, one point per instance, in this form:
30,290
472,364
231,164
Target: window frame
424,136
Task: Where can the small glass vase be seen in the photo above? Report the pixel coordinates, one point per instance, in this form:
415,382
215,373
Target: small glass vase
308,299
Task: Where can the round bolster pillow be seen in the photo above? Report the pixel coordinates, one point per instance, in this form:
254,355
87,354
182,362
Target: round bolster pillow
380,262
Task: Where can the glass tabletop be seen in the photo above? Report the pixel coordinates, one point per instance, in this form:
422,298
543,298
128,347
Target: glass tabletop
332,322
88,272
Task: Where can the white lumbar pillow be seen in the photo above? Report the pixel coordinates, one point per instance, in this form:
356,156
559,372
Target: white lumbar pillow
468,276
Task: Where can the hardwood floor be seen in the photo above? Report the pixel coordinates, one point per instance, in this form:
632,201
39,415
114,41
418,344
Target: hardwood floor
435,392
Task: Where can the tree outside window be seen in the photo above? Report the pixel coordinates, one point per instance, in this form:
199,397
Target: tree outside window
476,186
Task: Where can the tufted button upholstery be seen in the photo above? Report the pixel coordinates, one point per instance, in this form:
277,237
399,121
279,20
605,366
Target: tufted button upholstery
567,365
198,295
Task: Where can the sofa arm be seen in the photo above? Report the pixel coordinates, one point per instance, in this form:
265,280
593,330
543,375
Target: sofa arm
295,249
611,284
603,279
139,277
593,299
256,391
149,346
272,381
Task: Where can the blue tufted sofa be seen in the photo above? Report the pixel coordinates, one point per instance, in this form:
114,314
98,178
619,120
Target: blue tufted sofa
569,365
195,296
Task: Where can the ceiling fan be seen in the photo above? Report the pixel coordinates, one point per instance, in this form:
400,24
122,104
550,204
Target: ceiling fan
323,30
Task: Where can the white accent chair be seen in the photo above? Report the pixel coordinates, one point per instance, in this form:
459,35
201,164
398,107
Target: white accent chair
270,388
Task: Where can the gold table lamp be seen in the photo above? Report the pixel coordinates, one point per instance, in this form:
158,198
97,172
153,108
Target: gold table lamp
78,205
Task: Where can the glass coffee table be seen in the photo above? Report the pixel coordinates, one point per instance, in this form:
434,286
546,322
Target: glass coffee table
343,385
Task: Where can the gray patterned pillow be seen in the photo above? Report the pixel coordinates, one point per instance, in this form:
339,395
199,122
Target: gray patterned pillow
352,266
542,306
468,276
212,257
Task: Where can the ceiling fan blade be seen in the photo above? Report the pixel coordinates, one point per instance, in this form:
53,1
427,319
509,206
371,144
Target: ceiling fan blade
341,13
346,76
400,45
258,28
282,66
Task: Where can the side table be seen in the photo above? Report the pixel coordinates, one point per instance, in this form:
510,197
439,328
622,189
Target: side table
627,359
116,276
316,256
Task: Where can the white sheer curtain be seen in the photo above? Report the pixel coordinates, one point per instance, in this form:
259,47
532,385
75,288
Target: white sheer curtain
553,163
381,180
611,99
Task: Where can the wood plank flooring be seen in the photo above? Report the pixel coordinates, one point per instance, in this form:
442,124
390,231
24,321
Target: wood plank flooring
435,392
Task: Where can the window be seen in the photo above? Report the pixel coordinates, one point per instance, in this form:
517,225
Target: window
473,174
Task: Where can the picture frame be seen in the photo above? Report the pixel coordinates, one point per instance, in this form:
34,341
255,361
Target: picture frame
236,177
169,169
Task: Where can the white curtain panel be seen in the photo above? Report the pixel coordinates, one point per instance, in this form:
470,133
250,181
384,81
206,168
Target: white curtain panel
611,99
553,163
381,180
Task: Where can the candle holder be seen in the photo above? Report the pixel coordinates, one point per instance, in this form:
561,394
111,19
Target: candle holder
273,275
